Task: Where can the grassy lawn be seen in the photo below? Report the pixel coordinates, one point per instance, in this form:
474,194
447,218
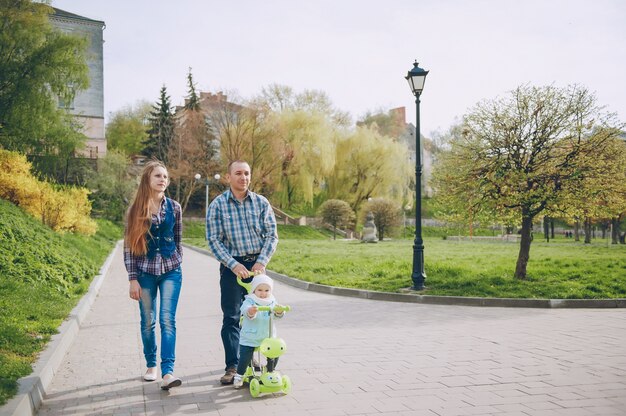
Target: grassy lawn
43,276
561,269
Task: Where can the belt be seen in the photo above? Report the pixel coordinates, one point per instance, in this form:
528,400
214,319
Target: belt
247,257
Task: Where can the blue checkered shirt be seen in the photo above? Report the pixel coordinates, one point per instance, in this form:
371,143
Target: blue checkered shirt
235,228
158,265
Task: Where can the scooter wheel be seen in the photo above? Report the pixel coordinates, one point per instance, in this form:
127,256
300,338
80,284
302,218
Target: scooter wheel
286,384
255,387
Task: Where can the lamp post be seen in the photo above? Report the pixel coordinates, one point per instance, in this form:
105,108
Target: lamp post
197,176
416,78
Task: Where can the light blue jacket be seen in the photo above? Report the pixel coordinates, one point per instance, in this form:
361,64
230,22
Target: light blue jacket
255,330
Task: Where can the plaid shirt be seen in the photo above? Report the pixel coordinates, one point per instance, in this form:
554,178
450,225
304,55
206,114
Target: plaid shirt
158,265
235,228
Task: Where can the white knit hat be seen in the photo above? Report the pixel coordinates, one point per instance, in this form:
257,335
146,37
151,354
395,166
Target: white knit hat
261,279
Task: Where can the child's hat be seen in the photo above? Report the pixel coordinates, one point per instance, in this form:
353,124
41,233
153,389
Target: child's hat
261,279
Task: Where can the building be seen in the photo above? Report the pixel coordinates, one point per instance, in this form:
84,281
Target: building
88,105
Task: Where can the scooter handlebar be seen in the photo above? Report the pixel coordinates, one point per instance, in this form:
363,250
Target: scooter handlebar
285,308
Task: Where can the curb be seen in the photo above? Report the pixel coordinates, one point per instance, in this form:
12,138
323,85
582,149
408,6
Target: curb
32,388
411,297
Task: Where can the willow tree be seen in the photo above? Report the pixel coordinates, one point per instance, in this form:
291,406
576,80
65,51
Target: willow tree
279,98
517,153
307,155
369,165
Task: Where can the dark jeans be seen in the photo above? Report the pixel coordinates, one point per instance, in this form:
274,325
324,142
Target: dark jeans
232,295
245,358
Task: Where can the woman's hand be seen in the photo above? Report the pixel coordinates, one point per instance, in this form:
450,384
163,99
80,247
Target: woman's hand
134,290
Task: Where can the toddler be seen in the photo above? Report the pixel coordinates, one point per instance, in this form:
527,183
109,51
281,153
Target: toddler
255,326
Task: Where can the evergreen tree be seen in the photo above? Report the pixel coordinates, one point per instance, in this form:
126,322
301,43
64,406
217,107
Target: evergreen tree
193,101
161,131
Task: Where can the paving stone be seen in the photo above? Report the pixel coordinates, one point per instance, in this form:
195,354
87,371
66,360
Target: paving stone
351,356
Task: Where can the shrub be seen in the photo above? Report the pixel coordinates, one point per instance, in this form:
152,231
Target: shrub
60,208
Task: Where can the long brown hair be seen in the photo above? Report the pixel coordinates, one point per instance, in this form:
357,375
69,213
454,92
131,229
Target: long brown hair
138,216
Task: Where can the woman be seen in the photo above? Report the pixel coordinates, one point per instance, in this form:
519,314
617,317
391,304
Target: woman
153,255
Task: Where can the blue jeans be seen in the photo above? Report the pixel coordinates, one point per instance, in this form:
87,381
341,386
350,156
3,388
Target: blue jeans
232,295
168,287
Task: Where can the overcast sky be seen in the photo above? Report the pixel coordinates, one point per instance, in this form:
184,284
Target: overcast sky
359,51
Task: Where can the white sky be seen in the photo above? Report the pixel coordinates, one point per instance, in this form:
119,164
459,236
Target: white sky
359,51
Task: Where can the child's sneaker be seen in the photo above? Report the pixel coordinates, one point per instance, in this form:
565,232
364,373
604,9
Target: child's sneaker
238,381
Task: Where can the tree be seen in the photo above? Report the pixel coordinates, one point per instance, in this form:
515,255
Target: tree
38,65
161,129
370,165
387,214
599,192
336,213
386,123
307,155
193,101
457,200
127,129
193,149
519,152
245,134
112,186
279,98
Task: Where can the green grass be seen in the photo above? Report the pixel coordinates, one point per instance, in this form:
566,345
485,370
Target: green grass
43,276
561,269
193,233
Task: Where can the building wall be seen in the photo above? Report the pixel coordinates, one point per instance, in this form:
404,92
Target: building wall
88,105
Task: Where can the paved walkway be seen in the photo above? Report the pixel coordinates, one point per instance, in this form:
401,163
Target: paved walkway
351,356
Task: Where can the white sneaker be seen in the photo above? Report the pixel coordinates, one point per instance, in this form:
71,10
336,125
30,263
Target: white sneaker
238,381
170,381
151,374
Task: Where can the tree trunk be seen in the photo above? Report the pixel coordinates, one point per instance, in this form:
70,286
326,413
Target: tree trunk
546,228
552,228
587,231
614,230
577,231
524,248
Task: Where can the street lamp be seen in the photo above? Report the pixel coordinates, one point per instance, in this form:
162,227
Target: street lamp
206,190
416,78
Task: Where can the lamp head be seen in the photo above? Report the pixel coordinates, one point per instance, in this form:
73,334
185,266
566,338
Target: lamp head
416,77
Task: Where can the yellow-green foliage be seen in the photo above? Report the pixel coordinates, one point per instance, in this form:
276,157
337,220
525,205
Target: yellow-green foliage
62,209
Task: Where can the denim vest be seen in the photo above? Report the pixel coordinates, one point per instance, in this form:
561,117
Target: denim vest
161,236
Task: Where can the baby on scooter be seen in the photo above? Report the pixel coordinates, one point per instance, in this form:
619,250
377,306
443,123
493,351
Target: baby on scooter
255,326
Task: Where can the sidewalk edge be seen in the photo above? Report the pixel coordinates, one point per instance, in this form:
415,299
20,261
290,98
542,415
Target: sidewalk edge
32,388
413,297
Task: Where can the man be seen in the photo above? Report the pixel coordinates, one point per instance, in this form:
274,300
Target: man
241,233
